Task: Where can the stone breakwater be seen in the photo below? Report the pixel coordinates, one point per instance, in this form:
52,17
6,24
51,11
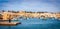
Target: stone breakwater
11,15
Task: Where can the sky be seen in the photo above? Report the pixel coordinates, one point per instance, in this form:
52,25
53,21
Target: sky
30,5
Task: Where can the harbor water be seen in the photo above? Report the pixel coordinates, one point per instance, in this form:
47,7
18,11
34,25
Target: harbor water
35,23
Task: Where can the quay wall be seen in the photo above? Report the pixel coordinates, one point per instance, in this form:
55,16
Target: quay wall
10,15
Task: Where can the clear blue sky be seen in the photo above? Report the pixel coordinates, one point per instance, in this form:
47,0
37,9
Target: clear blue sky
30,5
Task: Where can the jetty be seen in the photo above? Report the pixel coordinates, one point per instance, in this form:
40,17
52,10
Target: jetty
9,23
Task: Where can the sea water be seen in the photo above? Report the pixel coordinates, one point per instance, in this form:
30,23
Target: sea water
35,23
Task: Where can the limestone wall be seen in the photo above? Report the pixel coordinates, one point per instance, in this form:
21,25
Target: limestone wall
10,15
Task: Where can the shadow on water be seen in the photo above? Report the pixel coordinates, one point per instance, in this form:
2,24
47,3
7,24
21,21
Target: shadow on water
35,23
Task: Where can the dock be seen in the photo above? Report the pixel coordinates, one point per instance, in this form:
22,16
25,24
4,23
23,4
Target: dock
9,23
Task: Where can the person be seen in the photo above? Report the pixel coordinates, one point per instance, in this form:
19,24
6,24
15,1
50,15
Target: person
9,20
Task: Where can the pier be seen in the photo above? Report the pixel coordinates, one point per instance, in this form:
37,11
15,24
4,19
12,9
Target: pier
9,24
